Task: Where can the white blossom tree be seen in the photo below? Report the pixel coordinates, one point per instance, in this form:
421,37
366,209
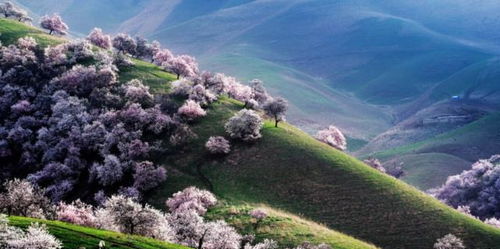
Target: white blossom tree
276,108
449,241
245,125
333,137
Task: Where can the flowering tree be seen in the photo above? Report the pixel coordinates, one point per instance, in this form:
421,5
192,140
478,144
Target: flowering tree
218,145
146,50
35,237
475,188
375,163
259,215
9,10
133,218
333,137
77,213
54,24
191,110
98,38
187,226
24,199
201,95
259,92
124,44
266,244
244,125
162,56
219,235
191,198
276,108
147,176
240,92
449,241
136,92
183,65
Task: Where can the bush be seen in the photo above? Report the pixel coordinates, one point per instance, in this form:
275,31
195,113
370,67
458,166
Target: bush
245,125
218,145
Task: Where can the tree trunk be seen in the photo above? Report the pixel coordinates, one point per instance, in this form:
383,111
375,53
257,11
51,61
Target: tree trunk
276,123
178,76
200,242
51,32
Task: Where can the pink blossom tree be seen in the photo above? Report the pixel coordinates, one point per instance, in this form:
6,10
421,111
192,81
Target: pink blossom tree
124,44
77,213
333,137
54,24
191,198
191,110
183,65
449,241
218,145
98,38
162,56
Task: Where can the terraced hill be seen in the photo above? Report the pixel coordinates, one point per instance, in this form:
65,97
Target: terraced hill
289,170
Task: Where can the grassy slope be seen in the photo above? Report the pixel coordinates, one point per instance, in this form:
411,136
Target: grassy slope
74,237
429,170
293,230
288,169
288,229
10,31
485,131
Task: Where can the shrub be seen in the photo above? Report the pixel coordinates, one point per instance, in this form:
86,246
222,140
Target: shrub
218,145
245,125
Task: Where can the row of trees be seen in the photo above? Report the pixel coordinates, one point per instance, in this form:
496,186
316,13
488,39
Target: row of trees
183,224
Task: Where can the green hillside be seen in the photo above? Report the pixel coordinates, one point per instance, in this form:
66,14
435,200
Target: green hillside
76,237
293,230
289,229
289,170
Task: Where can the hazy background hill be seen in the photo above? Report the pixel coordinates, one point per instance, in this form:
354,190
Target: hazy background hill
383,71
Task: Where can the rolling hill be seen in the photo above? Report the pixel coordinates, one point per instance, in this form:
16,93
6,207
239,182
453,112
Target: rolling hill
293,229
289,170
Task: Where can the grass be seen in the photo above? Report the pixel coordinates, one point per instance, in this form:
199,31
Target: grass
11,31
288,229
76,237
151,75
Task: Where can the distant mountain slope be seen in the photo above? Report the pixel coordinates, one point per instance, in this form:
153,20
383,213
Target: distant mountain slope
378,51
